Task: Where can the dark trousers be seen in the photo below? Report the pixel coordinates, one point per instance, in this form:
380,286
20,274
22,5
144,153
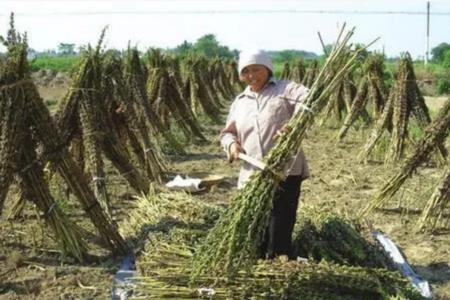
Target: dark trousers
277,238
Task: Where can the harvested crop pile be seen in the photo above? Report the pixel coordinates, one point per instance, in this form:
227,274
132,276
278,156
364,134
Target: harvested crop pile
324,236
167,227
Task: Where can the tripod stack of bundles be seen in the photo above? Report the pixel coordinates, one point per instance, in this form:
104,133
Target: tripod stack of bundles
30,139
286,71
298,71
341,100
201,94
231,69
405,100
167,98
234,241
85,111
135,75
311,73
371,89
129,119
172,225
220,81
434,135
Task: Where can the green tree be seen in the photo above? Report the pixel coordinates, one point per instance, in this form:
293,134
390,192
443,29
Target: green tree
290,55
208,46
66,49
439,51
183,49
286,55
446,60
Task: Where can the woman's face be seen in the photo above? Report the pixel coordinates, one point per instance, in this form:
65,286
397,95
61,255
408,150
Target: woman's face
256,76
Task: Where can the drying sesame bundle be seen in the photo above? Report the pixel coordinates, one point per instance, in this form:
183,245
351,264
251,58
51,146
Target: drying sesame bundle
405,100
434,135
30,139
371,89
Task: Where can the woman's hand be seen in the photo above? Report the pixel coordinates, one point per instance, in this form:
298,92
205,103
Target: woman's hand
285,129
235,149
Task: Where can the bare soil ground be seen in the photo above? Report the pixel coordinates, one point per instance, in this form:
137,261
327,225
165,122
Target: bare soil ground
32,268
435,103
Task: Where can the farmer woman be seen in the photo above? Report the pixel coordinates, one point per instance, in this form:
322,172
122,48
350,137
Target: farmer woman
257,117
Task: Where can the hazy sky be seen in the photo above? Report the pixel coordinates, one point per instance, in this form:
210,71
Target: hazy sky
271,25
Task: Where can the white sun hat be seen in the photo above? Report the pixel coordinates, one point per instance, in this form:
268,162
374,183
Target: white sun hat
254,57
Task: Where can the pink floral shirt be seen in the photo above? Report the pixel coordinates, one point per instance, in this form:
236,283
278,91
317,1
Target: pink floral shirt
254,119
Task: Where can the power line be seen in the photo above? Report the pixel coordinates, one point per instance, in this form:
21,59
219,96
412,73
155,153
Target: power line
230,12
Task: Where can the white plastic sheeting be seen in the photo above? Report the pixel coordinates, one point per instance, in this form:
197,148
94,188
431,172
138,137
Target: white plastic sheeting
185,184
123,280
402,264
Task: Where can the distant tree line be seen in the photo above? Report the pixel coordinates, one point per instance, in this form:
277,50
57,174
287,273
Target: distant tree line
207,46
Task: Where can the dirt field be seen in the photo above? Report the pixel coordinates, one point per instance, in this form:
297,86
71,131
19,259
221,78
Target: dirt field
31,268
434,103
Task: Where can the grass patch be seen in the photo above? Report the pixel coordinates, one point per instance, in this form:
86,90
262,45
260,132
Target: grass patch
51,104
54,63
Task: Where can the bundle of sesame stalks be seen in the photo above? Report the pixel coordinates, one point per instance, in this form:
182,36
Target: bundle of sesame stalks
405,100
18,144
215,79
163,276
85,110
167,226
167,98
129,121
311,74
298,71
322,235
135,75
371,88
437,206
286,71
277,279
232,244
161,210
434,136
30,139
231,70
340,101
200,93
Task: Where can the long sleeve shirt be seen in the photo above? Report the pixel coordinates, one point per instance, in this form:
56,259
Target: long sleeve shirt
254,120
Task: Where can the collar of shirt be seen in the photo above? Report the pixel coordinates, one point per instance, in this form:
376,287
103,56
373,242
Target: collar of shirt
247,92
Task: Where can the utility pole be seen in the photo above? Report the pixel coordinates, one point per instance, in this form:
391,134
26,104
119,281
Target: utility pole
428,33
